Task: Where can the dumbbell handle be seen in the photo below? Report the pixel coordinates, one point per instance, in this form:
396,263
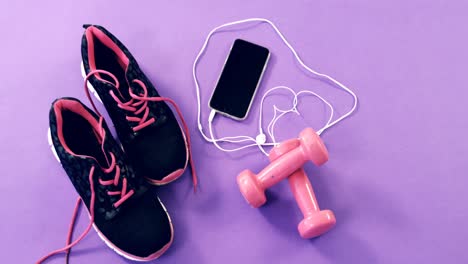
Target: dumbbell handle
281,168
303,192
298,180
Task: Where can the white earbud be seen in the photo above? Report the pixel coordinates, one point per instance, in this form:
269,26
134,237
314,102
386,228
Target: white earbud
261,139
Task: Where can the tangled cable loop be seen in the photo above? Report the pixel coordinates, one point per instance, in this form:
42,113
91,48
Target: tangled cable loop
293,109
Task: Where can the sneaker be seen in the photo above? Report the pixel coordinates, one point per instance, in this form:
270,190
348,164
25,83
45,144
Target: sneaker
127,216
149,132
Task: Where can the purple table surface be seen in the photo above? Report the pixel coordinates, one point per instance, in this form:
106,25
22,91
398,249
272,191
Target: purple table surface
397,175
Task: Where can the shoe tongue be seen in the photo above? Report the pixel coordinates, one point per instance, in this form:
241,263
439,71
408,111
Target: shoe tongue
105,158
126,84
132,73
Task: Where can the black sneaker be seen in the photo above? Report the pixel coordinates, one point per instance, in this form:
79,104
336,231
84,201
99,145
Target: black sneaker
126,215
147,128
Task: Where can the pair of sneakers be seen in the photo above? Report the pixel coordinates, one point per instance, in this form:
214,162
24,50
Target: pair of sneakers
111,178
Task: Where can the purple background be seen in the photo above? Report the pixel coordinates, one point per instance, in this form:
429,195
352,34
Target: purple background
397,174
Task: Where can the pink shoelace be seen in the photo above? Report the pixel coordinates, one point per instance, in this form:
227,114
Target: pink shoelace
124,194
138,110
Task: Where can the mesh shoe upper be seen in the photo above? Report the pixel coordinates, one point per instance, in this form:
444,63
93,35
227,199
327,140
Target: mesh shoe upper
160,149
126,213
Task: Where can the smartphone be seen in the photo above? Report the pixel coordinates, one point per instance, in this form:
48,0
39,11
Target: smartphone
239,79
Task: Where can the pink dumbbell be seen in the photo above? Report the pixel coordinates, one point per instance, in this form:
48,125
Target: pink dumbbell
315,222
310,148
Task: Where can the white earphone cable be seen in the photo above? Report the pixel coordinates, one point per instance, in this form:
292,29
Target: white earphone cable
260,141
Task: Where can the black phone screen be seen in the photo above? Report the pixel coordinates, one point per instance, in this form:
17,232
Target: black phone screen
239,79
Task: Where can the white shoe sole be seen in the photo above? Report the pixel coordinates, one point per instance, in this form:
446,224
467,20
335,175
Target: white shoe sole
88,84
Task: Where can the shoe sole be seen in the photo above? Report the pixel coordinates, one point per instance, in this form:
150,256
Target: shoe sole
104,239
151,181
88,84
